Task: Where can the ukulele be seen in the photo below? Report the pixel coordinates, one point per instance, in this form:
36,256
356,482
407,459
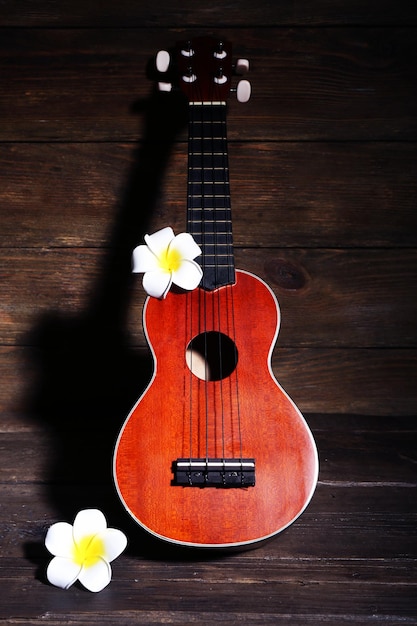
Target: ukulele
214,454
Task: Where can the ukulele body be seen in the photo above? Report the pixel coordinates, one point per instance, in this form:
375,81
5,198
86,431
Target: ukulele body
242,413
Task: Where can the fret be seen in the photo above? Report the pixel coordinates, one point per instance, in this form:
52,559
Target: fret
198,189
221,238
216,227
213,260
215,183
212,195
207,145
214,205
211,239
215,237
205,108
197,137
198,125
209,168
212,250
209,203
211,214
199,103
207,175
215,266
206,158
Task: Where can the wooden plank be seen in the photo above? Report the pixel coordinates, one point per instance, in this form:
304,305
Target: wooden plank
196,616
368,381
194,602
306,571
342,522
285,584
323,163
77,13
338,298
83,85
385,456
276,568
145,603
285,194
94,377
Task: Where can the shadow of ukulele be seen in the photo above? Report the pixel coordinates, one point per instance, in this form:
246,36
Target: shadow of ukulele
88,374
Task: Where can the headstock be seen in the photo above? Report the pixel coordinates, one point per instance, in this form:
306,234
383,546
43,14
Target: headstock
204,70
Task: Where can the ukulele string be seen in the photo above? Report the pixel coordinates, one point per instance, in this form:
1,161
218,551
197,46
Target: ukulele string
190,299
197,176
212,236
219,137
206,240
230,304
202,300
236,372
189,324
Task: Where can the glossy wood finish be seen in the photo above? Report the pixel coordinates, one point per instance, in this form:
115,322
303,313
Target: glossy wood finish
244,414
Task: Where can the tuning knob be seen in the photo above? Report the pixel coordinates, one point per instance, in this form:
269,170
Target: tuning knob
220,53
220,79
243,90
165,86
242,66
188,51
163,60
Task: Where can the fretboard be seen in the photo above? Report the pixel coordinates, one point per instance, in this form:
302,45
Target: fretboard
209,217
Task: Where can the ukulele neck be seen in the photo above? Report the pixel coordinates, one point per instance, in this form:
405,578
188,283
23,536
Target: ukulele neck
209,218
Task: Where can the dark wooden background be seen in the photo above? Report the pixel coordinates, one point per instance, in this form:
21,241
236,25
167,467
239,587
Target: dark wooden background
323,172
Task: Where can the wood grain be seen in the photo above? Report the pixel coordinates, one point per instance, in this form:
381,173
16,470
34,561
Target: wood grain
323,175
127,14
377,452
293,570
362,380
345,292
308,84
299,194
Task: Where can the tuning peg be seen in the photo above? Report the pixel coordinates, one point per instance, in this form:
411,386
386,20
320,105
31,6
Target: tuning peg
189,77
242,66
188,50
165,86
163,60
220,79
243,90
220,53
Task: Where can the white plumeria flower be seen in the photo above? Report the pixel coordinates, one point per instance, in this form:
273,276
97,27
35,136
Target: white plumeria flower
167,259
83,551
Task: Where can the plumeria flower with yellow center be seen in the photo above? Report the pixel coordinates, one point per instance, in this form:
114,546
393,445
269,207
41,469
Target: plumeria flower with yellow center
83,551
167,259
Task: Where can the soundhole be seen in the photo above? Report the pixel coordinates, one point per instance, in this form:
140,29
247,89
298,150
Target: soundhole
211,356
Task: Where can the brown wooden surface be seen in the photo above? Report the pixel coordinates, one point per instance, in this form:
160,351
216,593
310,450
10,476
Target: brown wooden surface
323,177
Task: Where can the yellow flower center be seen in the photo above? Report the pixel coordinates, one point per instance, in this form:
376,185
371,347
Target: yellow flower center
170,260
88,551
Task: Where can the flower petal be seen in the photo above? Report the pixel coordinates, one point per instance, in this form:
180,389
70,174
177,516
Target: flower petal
97,576
188,275
186,246
159,241
114,542
143,260
157,284
59,540
62,572
88,522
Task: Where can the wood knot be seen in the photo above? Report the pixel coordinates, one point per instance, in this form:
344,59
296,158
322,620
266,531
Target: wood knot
285,274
